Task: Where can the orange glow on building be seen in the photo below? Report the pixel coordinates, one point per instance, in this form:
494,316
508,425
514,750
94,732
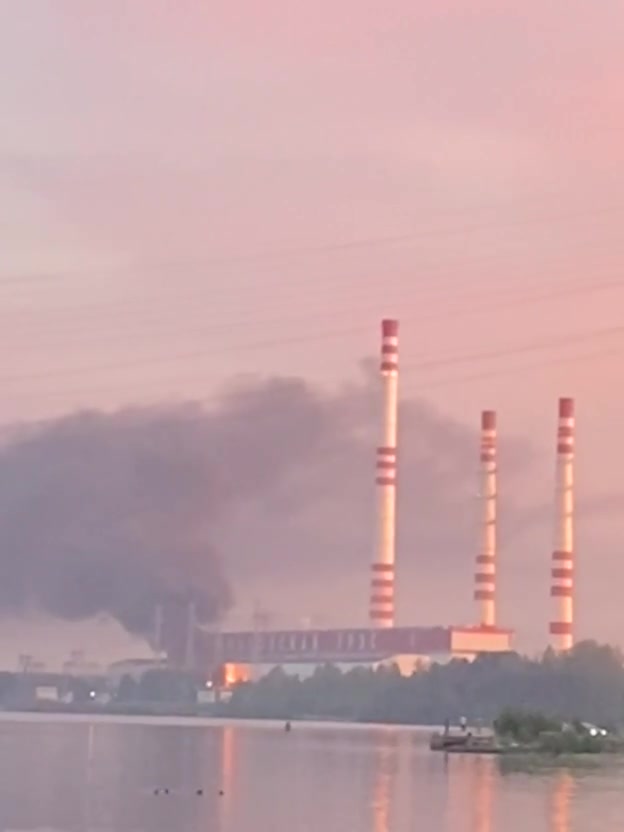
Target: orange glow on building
234,674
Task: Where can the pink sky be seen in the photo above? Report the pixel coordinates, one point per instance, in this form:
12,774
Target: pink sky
191,190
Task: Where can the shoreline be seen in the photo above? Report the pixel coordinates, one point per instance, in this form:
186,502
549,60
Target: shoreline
102,717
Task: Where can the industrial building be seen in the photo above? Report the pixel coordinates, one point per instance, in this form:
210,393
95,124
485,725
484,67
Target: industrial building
232,656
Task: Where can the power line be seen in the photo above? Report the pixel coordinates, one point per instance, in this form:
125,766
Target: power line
384,241
510,371
285,285
184,356
174,269
217,399
589,288
174,358
518,350
412,367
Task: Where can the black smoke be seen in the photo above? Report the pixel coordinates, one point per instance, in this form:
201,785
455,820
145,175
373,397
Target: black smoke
118,513
110,514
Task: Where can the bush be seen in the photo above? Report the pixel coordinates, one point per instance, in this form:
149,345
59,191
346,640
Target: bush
524,726
569,742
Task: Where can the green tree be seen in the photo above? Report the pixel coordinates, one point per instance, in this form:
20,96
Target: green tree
587,683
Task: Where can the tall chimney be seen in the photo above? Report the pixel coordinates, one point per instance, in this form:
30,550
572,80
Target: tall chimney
485,577
381,610
562,585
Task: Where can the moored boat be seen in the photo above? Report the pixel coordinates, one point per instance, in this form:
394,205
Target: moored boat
464,743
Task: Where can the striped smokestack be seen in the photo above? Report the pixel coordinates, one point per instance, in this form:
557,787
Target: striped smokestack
485,577
381,610
562,585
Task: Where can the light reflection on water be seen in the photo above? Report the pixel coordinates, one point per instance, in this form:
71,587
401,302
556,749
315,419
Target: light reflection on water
562,791
80,777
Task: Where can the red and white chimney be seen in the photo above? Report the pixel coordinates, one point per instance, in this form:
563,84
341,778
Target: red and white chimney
562,574
485,576
381,608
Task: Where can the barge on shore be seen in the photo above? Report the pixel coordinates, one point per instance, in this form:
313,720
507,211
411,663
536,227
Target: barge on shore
465,743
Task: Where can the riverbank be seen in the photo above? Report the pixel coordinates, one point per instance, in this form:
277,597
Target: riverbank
130,709
528,732
420,733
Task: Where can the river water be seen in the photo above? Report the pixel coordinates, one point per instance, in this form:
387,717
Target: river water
79,774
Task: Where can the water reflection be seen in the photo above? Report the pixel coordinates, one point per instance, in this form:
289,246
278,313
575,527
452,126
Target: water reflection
470,784
228,739
484,773
34,771
72,777
561,802
383,773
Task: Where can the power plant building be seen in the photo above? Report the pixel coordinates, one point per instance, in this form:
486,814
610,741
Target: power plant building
244,653
233,656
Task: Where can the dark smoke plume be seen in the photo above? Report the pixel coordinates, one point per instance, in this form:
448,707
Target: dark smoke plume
111,514
118,513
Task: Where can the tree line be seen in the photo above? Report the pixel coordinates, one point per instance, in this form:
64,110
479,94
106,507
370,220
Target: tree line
586,683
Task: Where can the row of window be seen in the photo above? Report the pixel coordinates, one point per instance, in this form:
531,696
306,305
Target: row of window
243,645
270,643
